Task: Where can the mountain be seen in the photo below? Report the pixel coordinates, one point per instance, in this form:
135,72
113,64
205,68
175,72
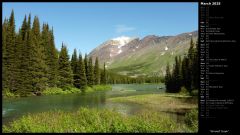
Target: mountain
146,56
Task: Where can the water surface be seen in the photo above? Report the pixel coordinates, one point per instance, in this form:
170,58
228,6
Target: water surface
15,108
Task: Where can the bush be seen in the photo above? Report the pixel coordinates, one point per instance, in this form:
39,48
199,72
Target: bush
88,89
67,87
184,91
194,93
191,120
55,90
8,94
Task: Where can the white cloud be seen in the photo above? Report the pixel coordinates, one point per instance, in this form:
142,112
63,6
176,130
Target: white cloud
123,28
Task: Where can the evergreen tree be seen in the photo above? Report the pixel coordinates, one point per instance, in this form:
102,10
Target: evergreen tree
191,52
37,67
104,76
81,73
18,78
51,55
24,28
185,73
86,66
168,79
64,69
10,57
96,72
90,76
53,62
26,86
24,61
74,62
176,76
195,72
4,47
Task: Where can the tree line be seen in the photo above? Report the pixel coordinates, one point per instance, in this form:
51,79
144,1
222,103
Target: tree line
184,72
31,62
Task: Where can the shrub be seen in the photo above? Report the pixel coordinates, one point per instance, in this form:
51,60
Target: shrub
8,94
194,93
55,90
67,87
88,89
191,120
184,91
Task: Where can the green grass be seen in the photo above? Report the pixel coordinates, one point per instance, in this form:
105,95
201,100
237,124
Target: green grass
55,91
68,90
148,61
97,88
191,120
102,87
160,102
93,120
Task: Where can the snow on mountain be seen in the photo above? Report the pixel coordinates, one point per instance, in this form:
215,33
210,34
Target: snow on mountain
123,40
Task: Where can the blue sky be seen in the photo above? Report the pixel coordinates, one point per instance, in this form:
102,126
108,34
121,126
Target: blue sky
86,25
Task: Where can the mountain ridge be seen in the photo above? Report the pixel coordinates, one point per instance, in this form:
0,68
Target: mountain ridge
145,53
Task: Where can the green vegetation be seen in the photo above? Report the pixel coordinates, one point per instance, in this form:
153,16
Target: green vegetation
168,102
184,91
81,72
7,94
194,93
184,73
149,61
68,90
93,120
102,87
54,91
191,120
96,72
97,88
159,102
64,68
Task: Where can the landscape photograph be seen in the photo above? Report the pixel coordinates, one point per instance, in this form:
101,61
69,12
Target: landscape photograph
100,67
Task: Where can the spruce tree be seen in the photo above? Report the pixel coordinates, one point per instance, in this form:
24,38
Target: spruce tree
90,76
74,62
191,63
38,67
104,76
64,68
4,47
53,61
18,67
26,81
9,65
86,66
168,78
176,76
185,73
51,55
195,71
96,72
81,73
